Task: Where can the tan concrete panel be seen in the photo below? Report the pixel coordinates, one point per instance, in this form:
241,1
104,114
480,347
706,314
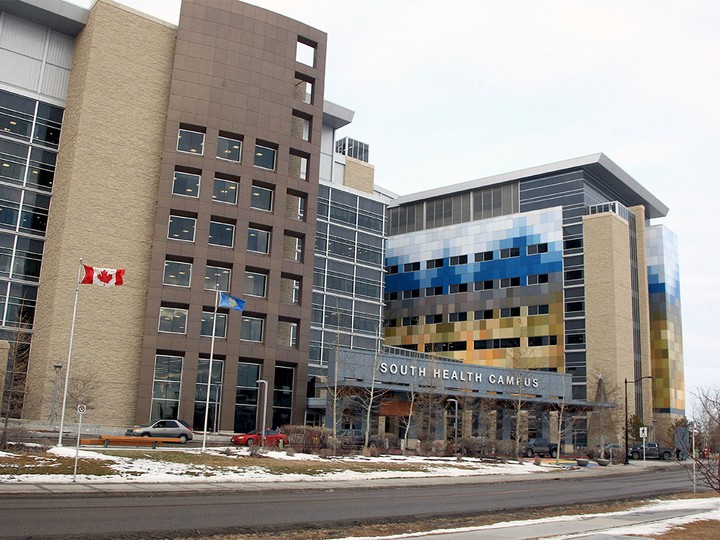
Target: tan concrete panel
103,210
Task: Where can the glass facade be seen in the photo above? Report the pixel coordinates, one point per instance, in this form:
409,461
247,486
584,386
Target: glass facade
29,137
348,273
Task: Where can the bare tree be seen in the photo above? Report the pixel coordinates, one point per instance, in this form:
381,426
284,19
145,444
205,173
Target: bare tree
14,389
605,421
707,424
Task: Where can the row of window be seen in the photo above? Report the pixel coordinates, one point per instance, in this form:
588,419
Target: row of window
178,273
478,315
489,284
167,385
463,259
191,140
174,320
186,183
222,234
484,344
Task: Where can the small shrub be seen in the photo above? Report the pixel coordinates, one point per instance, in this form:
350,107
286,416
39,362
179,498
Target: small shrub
325,453
537,461
254,450
289,451
591,453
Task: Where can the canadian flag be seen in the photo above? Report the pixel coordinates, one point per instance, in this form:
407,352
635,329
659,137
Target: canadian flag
104,277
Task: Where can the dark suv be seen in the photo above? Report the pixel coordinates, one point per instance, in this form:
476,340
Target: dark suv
540,447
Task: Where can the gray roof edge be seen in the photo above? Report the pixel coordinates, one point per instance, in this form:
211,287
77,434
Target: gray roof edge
654,207
336,116
59,15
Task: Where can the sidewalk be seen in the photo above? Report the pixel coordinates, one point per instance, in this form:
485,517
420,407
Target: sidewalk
130,487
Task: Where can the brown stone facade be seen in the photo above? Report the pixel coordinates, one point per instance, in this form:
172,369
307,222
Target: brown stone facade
103,211
234,76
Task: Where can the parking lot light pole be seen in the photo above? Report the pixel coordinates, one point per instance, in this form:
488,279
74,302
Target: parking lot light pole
627,441
262,382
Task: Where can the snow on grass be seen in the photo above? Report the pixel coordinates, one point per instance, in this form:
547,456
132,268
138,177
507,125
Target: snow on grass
155,469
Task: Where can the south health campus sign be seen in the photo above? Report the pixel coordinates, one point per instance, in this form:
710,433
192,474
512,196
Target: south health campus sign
432,374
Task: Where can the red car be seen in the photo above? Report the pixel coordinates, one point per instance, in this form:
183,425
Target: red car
273,437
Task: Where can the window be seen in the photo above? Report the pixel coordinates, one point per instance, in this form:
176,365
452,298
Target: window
541,341
412,293
541,309
571,275
486,285
246,397
506,343
510,312
282,396
435,263
507,253
206,324
261,198
458,288
258,241
573,244
166,386
459,259
484,256
287,333
221,234
506,283
203,383
177,274
483,314
225,190
181,228
186,184
298,165
574,306
575,339
460,316
301,125
411,321
229,148
411,267
537,278
293,247
217,277
304,88
251,329
433,291
173,320
305,52
255,284
393,269
534,249
264,157
433,319
191,141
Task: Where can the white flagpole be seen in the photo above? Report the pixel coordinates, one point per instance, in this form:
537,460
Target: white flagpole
70,349
212,352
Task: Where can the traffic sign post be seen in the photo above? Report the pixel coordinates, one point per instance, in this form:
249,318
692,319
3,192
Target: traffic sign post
643,436
81,408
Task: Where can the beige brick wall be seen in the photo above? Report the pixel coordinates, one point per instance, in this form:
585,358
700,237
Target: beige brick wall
359,175
103,210
608,301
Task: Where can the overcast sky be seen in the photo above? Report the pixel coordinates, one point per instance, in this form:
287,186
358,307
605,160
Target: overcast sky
445,92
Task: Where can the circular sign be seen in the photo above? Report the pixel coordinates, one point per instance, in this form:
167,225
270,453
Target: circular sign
81,408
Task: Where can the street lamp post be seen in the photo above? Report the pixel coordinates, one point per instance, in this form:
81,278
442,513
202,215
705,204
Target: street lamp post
264,414
456,418
627,439
53,414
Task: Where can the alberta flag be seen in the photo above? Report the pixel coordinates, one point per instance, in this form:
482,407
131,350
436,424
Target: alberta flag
231,302
105,277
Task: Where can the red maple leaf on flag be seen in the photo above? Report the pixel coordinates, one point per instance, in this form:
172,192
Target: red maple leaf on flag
105,276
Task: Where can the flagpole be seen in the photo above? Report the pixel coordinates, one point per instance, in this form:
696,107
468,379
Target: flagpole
67,369
212,353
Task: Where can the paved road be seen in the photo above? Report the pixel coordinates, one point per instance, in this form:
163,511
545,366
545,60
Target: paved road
242,507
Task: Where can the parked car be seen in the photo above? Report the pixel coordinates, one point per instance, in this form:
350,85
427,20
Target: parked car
540,447
175,429
652,451
351,437
273,437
